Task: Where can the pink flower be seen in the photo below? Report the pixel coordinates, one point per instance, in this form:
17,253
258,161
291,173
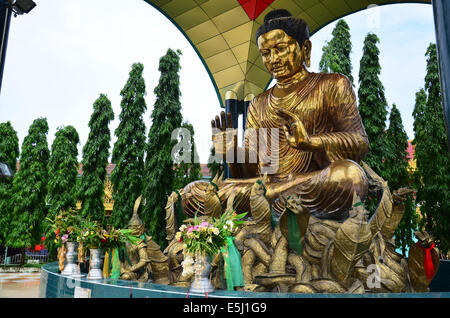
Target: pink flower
64,238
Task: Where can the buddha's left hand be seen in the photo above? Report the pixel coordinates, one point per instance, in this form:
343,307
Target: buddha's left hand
296,134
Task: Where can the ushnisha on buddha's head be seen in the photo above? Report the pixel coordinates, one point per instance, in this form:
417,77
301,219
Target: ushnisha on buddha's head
284,44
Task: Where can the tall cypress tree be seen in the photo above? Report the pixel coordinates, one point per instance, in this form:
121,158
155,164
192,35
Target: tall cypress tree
128,151
95,160
187,172
372,102
63,170
30,188
398,176
373,108
159,173
9,153
431,154
9,145
336,53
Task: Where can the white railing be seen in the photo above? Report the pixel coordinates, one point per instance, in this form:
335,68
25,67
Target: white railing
30,259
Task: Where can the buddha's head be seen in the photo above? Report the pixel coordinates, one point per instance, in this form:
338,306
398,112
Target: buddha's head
284,44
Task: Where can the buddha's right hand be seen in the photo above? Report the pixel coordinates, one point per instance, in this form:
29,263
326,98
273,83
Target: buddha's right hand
224,136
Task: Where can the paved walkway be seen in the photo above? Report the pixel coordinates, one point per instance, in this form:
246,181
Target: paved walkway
19,285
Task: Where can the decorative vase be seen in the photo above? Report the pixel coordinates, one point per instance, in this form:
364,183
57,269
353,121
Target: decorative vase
95,264
201,283
71,268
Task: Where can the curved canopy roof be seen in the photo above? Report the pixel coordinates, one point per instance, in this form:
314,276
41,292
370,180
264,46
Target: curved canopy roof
223,34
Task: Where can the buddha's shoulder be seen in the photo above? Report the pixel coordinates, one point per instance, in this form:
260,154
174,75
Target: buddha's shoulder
334,78
259,100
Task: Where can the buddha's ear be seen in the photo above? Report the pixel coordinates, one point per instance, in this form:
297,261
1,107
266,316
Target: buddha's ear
306,50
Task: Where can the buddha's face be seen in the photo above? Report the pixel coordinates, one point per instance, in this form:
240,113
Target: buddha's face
281,54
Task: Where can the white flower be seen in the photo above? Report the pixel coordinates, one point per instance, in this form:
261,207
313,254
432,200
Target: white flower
230,224
225,227
216,231
188,268
183,227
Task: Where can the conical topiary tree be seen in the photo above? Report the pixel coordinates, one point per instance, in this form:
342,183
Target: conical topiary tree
30,189
187,172
9,154
159,166
372,102
128,151
336,53
9,145
398,176
63,170
95,160
373,109
432,176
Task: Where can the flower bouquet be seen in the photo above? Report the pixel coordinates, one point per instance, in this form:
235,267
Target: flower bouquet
204,239
209,237
65,226
115,238
94,237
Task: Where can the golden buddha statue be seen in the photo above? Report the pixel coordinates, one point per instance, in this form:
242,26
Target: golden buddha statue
314,119
301,178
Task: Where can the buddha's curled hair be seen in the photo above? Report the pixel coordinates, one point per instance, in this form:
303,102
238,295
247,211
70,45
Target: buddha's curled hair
283,19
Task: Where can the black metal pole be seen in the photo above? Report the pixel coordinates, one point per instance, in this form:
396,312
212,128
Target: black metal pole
441,11
5,21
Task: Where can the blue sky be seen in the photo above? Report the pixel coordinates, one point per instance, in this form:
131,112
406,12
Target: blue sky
63,54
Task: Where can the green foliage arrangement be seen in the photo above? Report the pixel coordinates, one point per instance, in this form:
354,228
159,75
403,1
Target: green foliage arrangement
209,237
65,227
69,226
93,235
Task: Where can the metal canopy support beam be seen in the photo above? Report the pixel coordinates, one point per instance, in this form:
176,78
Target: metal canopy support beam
236,108
441,10
5,19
